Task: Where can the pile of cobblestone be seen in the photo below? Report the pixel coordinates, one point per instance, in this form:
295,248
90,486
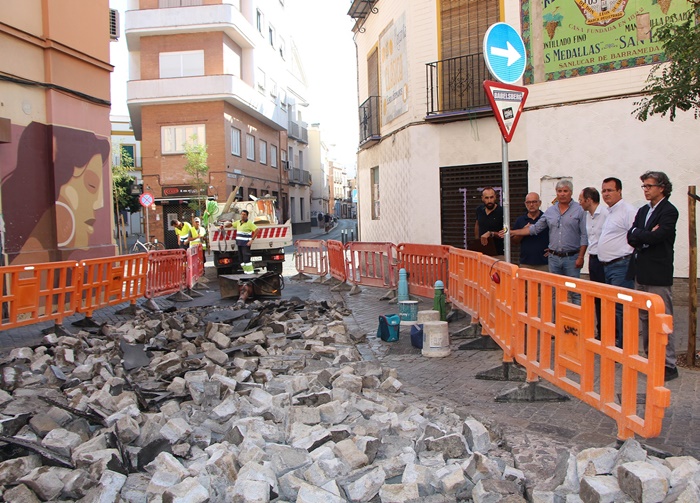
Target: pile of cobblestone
272,402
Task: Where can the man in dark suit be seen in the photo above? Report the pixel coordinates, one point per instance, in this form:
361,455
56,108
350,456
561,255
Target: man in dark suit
652,236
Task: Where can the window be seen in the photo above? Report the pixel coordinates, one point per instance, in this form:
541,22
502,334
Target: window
260,20
301,159
250,147
181,64
260,79
127,158
271,35
291,157
263,152
273,156
236,141
273,88
173,138
374,175
280,43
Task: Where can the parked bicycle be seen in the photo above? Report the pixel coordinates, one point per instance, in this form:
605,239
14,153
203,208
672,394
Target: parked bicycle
146,246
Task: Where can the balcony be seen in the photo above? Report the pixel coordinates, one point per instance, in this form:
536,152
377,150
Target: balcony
189,19
298,131
455,88
227,88
369,122
360,10
299,176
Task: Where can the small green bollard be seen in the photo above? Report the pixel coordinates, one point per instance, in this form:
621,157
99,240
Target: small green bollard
439,300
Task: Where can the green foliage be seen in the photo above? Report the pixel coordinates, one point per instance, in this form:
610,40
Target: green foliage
675,85
197,167
120,183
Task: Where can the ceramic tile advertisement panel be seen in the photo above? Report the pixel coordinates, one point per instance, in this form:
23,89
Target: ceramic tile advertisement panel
582,37
393,61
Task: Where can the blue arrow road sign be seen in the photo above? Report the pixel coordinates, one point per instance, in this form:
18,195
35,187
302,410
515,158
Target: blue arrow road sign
504,52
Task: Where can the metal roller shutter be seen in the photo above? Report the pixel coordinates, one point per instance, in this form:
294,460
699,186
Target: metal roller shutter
460,190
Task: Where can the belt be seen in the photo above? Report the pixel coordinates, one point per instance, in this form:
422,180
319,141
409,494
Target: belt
563,253
616,260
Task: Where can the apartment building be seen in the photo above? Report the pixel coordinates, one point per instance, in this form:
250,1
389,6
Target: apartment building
220,73
429,141
318,168
54,130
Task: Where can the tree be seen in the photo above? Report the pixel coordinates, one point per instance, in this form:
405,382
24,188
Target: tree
121,182
198,169
675,85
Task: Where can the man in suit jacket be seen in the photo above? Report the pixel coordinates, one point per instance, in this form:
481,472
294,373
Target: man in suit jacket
652,236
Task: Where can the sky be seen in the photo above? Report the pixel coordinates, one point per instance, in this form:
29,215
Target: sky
323,36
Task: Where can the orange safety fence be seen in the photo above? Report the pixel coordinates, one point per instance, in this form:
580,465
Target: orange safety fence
424,265
497,284
337,261
310,257
556,342
166,272
463,283
112,280
195,265
372,264
37,293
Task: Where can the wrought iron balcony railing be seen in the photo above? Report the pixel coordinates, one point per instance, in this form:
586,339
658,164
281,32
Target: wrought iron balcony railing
369,120
455,86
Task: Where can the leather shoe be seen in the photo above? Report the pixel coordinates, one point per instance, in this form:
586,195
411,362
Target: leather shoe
670,373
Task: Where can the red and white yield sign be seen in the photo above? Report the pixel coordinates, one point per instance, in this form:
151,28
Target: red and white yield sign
507,102
146,199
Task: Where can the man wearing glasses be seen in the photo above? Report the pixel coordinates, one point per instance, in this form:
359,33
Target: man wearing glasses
568,240
653,235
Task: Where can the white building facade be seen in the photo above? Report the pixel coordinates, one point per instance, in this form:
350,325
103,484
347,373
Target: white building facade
429,141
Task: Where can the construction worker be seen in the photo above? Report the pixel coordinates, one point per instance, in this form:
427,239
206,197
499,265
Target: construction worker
201,236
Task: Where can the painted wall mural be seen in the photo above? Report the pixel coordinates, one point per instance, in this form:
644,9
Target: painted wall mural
55,194
582,37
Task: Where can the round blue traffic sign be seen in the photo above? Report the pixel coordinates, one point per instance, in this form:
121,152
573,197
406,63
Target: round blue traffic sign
504,52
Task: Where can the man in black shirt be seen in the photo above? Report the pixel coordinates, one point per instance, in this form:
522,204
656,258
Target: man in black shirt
489,221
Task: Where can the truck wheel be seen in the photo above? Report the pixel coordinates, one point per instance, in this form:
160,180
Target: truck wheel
276,267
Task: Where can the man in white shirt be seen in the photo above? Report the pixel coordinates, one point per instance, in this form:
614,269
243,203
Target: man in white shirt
614,252
589,199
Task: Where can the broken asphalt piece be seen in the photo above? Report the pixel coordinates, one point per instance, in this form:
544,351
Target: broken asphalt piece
134,356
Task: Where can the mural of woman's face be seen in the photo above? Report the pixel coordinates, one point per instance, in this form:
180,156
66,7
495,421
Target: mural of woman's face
78,200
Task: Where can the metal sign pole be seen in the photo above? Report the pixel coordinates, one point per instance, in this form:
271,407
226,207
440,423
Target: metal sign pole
148,232
506,198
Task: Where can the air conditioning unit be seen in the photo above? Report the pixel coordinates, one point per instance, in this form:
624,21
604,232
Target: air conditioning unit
113,24
286,166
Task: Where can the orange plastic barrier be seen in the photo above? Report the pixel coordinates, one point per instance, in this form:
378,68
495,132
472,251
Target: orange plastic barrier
372,264
112,280
166,272
337,262
37,293
556,342
497,284
424,265
463,280
310,256
195,265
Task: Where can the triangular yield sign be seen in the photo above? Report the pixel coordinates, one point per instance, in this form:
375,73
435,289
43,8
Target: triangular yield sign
507,102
